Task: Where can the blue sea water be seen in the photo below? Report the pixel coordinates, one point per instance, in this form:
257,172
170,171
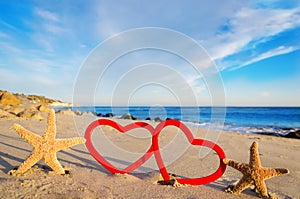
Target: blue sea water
276,120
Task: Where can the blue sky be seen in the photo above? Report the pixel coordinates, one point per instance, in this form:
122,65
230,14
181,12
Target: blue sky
254,44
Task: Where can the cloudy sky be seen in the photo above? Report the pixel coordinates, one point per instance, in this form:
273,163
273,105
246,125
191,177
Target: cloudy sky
254,44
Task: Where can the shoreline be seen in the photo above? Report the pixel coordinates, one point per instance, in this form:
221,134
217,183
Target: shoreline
13,106
286,132
88,179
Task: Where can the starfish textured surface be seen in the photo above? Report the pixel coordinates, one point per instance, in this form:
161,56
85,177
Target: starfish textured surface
45,146
253,173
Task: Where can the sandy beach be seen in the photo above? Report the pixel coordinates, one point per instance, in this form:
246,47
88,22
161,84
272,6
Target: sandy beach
88,179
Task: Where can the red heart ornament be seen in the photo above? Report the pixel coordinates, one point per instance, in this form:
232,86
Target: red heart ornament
121,129
200,142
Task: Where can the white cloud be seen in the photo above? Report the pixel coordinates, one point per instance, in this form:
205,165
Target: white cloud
47,35
9,48
54,28
46,14
251,25
195,18
8,25
44,42
271,53
197,84
47,28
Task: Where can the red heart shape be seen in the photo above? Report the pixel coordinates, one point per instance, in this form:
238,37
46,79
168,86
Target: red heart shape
121,129
200,142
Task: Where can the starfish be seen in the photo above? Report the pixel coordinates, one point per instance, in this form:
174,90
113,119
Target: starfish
45,146
253,173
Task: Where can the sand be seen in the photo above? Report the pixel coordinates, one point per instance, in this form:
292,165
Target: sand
88,179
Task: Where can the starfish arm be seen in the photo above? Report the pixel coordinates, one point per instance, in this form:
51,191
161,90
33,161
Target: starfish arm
61,144
51,160
273,172
242,167
254,156
30,137
51,126
243,183
30,161
261,187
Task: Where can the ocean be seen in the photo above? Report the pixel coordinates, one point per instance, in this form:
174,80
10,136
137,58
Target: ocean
267,120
